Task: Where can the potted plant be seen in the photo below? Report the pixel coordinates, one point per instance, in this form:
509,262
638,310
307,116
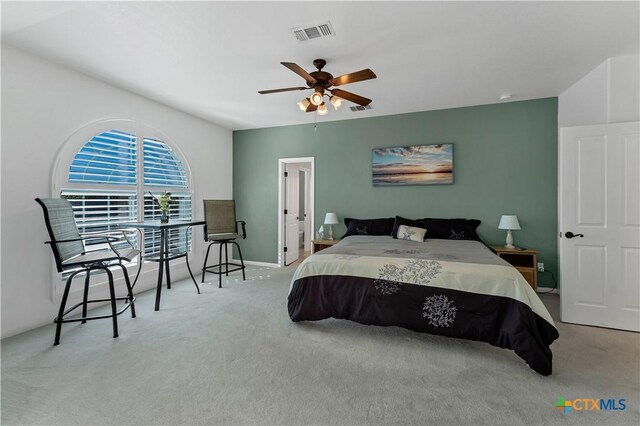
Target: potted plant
163,202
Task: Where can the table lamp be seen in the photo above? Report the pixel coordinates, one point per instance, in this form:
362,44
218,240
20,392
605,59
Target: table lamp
331,219
509,222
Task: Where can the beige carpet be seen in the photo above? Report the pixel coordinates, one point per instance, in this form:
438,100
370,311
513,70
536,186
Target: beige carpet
232,356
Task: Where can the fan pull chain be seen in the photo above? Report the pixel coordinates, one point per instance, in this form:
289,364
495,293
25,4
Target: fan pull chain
315,121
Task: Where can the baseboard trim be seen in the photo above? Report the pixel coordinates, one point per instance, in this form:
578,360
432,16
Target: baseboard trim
254,263
555,290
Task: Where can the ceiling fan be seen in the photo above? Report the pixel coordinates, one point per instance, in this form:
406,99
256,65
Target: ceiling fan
321,82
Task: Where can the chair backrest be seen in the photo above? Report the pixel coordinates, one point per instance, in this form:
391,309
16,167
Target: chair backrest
61,225
220,217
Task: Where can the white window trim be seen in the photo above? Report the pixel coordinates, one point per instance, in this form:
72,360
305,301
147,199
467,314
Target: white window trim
60,171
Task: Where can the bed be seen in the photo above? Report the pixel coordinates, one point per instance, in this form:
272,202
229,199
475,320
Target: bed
439,286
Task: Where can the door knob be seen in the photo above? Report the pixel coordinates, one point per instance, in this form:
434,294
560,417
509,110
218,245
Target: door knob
571,235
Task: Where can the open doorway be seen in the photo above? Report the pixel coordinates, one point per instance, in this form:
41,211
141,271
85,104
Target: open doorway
295,208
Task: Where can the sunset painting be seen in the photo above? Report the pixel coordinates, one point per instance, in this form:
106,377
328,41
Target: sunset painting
413,165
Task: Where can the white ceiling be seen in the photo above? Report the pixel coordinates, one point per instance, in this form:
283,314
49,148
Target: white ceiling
211,58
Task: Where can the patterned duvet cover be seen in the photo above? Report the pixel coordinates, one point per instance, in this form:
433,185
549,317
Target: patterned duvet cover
445,287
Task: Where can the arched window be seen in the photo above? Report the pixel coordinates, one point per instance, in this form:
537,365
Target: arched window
116,171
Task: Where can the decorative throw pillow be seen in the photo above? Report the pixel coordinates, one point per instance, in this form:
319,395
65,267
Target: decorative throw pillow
408,222
411,233
382,226
452,229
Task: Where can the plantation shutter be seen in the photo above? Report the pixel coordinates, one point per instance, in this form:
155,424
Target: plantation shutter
101,212
108,158
180,208
103,170
163,169
161,166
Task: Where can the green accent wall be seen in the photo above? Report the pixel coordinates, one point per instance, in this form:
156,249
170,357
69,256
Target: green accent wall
505,162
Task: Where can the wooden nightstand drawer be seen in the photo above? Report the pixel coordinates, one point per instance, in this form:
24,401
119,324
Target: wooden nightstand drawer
529,275
317,245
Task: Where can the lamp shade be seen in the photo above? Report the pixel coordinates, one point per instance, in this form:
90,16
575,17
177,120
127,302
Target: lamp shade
336,102
304,104
316,98
331,219
509,221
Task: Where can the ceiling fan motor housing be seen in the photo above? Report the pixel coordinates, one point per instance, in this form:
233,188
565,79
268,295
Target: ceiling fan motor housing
322,79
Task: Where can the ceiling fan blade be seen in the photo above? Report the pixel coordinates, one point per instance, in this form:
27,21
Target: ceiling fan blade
353,77
288,89
356,99
301,72
311,108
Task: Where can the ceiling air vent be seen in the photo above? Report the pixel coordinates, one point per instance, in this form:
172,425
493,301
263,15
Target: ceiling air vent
309,32
360,107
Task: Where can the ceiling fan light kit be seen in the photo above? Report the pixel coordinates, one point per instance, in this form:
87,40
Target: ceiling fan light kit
304,104
322,81
317,96
322,109
335,101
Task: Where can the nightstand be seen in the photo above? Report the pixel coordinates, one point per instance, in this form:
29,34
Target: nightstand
317,245
525,261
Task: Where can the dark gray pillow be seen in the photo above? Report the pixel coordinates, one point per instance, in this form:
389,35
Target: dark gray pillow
452,229
382,226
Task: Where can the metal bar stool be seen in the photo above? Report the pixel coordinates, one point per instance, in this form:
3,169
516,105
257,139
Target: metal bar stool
70,254
222,228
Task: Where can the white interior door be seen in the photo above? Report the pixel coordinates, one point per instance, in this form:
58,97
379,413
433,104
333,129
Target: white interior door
291,219
308,231
301,207
599,214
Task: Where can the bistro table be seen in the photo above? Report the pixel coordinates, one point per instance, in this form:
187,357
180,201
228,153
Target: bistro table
165,256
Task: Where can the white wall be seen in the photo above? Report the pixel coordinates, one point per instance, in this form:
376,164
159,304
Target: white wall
42,105
608,94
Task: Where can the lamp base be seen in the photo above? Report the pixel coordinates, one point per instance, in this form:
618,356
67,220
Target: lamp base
331,232
509,240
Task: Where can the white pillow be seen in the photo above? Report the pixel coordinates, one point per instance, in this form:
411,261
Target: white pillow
411,233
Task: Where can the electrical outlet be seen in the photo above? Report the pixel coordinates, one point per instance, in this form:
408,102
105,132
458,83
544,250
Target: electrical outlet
540,267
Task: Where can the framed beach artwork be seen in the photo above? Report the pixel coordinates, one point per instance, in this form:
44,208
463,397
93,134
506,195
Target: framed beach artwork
413,165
